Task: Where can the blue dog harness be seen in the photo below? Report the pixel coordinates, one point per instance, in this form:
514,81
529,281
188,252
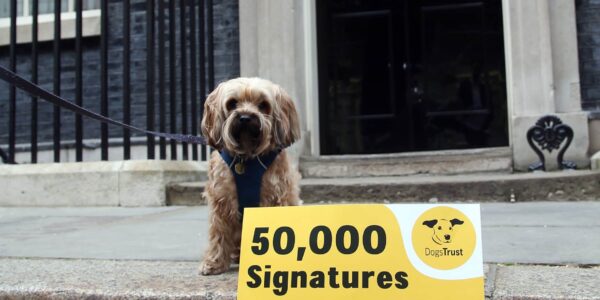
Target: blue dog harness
248,176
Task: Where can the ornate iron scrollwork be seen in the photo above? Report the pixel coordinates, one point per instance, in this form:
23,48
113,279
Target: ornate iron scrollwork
549,133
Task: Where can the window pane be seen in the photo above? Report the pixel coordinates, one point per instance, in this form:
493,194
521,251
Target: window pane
5,8
91,4
47,6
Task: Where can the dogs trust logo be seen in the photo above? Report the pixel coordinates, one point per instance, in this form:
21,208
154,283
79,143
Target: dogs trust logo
442,229
443,238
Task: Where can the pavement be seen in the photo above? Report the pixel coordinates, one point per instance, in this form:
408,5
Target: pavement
533,250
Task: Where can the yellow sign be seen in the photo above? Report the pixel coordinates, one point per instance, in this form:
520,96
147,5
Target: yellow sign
404,251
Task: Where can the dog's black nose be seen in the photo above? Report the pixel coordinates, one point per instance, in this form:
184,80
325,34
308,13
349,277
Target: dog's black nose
447,237
245,118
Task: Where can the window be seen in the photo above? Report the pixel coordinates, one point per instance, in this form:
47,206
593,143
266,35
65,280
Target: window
91,20
25,7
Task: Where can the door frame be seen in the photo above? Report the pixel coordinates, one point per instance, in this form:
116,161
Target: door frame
406,89
311,74
542,69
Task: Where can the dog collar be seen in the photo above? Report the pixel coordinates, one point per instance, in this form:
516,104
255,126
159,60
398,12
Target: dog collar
248,175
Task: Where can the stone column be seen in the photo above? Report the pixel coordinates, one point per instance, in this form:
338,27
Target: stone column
528,56
565,56
272,46
543,75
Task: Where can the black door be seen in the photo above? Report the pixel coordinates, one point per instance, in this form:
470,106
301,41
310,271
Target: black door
411,75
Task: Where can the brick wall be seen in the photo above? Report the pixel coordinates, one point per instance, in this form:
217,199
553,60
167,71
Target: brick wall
226,41
588,28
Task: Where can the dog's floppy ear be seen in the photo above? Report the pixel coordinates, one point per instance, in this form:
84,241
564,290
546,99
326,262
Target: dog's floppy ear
212,120
456,222
287,124
430,223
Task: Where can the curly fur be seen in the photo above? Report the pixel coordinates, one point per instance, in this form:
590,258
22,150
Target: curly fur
277,122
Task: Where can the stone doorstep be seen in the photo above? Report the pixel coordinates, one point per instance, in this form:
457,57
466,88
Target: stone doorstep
445,162
122,279
186,194
538,186
111,183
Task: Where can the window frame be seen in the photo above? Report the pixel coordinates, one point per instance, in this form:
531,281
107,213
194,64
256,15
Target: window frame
90,24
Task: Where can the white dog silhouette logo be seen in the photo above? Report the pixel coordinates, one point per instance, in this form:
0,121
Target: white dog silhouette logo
442,229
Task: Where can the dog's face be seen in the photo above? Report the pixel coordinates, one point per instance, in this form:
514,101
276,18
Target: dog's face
249,117
442,229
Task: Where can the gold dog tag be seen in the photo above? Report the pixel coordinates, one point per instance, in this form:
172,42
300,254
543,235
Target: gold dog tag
239,168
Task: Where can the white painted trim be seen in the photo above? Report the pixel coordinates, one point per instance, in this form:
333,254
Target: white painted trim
311,76
506,28
90,27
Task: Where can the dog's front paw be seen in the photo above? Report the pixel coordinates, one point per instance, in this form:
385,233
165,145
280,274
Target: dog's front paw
211,268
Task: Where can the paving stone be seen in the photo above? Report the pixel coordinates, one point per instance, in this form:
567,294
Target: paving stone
546,283
111,279
489,271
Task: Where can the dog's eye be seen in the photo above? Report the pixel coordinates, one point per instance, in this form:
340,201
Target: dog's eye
231,104
450,228
264,107
439,227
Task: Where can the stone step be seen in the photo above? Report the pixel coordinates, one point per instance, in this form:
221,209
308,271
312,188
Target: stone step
129,279
399,164
538,186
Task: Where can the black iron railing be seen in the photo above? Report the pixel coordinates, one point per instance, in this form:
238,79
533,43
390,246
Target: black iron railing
193,60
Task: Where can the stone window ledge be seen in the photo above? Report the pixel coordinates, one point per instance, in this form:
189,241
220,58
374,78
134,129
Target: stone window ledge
90,21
